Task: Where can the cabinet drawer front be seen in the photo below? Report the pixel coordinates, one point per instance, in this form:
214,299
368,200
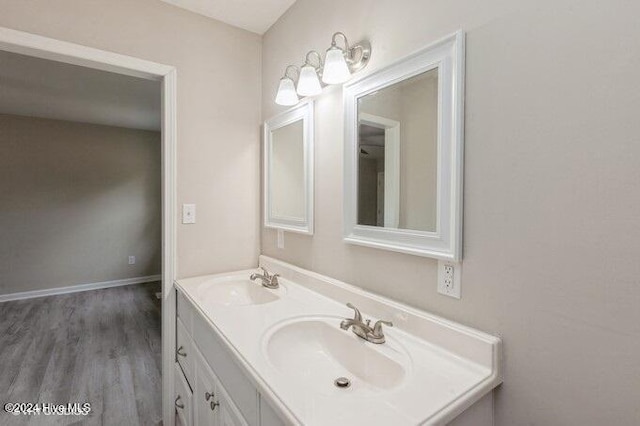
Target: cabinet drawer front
235,382
185,352
182,398
185,312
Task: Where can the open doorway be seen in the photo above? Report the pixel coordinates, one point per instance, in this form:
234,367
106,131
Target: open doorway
86,261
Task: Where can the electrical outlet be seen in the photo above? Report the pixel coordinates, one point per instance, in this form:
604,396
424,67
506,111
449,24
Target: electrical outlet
132,260
449,278
280,242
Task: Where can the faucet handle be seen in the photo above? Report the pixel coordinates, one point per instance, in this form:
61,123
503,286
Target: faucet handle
273,279
266,273
377,327
357,314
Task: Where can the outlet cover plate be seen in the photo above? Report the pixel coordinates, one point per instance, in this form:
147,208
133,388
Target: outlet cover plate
449,274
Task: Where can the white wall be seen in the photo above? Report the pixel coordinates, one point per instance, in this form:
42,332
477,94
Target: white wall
552,236
77,200
218,69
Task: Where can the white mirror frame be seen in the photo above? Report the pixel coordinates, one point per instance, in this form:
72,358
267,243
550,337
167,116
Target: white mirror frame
304,112
447,55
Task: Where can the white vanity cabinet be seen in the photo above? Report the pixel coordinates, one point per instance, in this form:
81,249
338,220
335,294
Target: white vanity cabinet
221,395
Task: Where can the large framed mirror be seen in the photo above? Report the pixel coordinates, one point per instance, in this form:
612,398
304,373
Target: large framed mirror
404,154
288,170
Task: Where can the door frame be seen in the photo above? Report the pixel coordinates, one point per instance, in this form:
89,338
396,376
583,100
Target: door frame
391,165
48,48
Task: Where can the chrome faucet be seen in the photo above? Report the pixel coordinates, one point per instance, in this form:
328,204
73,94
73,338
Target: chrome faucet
363,329
267,280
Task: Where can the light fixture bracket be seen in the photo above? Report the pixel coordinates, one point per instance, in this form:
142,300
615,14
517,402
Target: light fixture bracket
307,61
286,73
320,64
359,55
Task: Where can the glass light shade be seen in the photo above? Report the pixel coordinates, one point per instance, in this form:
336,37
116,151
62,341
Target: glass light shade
308,84
335,70
286,92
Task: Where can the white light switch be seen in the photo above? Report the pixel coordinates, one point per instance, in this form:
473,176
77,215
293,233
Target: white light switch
188,213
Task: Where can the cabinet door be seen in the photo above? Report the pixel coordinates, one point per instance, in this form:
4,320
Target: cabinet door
205,399
226,370
227,418
212,404
182,398
229,413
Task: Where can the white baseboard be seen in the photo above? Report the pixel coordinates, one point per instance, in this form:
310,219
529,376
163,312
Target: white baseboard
77,288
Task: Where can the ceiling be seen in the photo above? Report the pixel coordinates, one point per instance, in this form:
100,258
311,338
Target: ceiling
47,89
252,15
371,142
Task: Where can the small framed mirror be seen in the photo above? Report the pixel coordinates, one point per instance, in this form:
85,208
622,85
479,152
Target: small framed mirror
288,170
403,154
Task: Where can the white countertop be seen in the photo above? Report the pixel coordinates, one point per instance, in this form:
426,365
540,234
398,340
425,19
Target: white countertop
440,382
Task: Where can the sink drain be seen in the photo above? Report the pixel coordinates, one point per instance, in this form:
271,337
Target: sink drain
342,382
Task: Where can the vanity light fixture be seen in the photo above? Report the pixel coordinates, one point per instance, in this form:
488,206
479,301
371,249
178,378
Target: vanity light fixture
287,95
309,84
340,63
338,66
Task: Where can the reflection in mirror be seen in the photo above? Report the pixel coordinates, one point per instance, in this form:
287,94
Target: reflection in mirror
397,155
287,172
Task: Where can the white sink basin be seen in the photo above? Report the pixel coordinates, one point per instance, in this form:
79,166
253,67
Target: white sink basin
316,351
235,291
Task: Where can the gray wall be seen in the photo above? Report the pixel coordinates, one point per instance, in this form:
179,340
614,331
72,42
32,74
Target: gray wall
75,201
218,111
552,235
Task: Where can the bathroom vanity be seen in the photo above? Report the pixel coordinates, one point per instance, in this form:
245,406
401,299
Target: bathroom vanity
251,355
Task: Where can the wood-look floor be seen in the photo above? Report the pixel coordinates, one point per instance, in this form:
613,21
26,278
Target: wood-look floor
100,346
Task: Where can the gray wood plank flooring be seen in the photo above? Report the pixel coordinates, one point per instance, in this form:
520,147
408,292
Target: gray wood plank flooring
100,346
